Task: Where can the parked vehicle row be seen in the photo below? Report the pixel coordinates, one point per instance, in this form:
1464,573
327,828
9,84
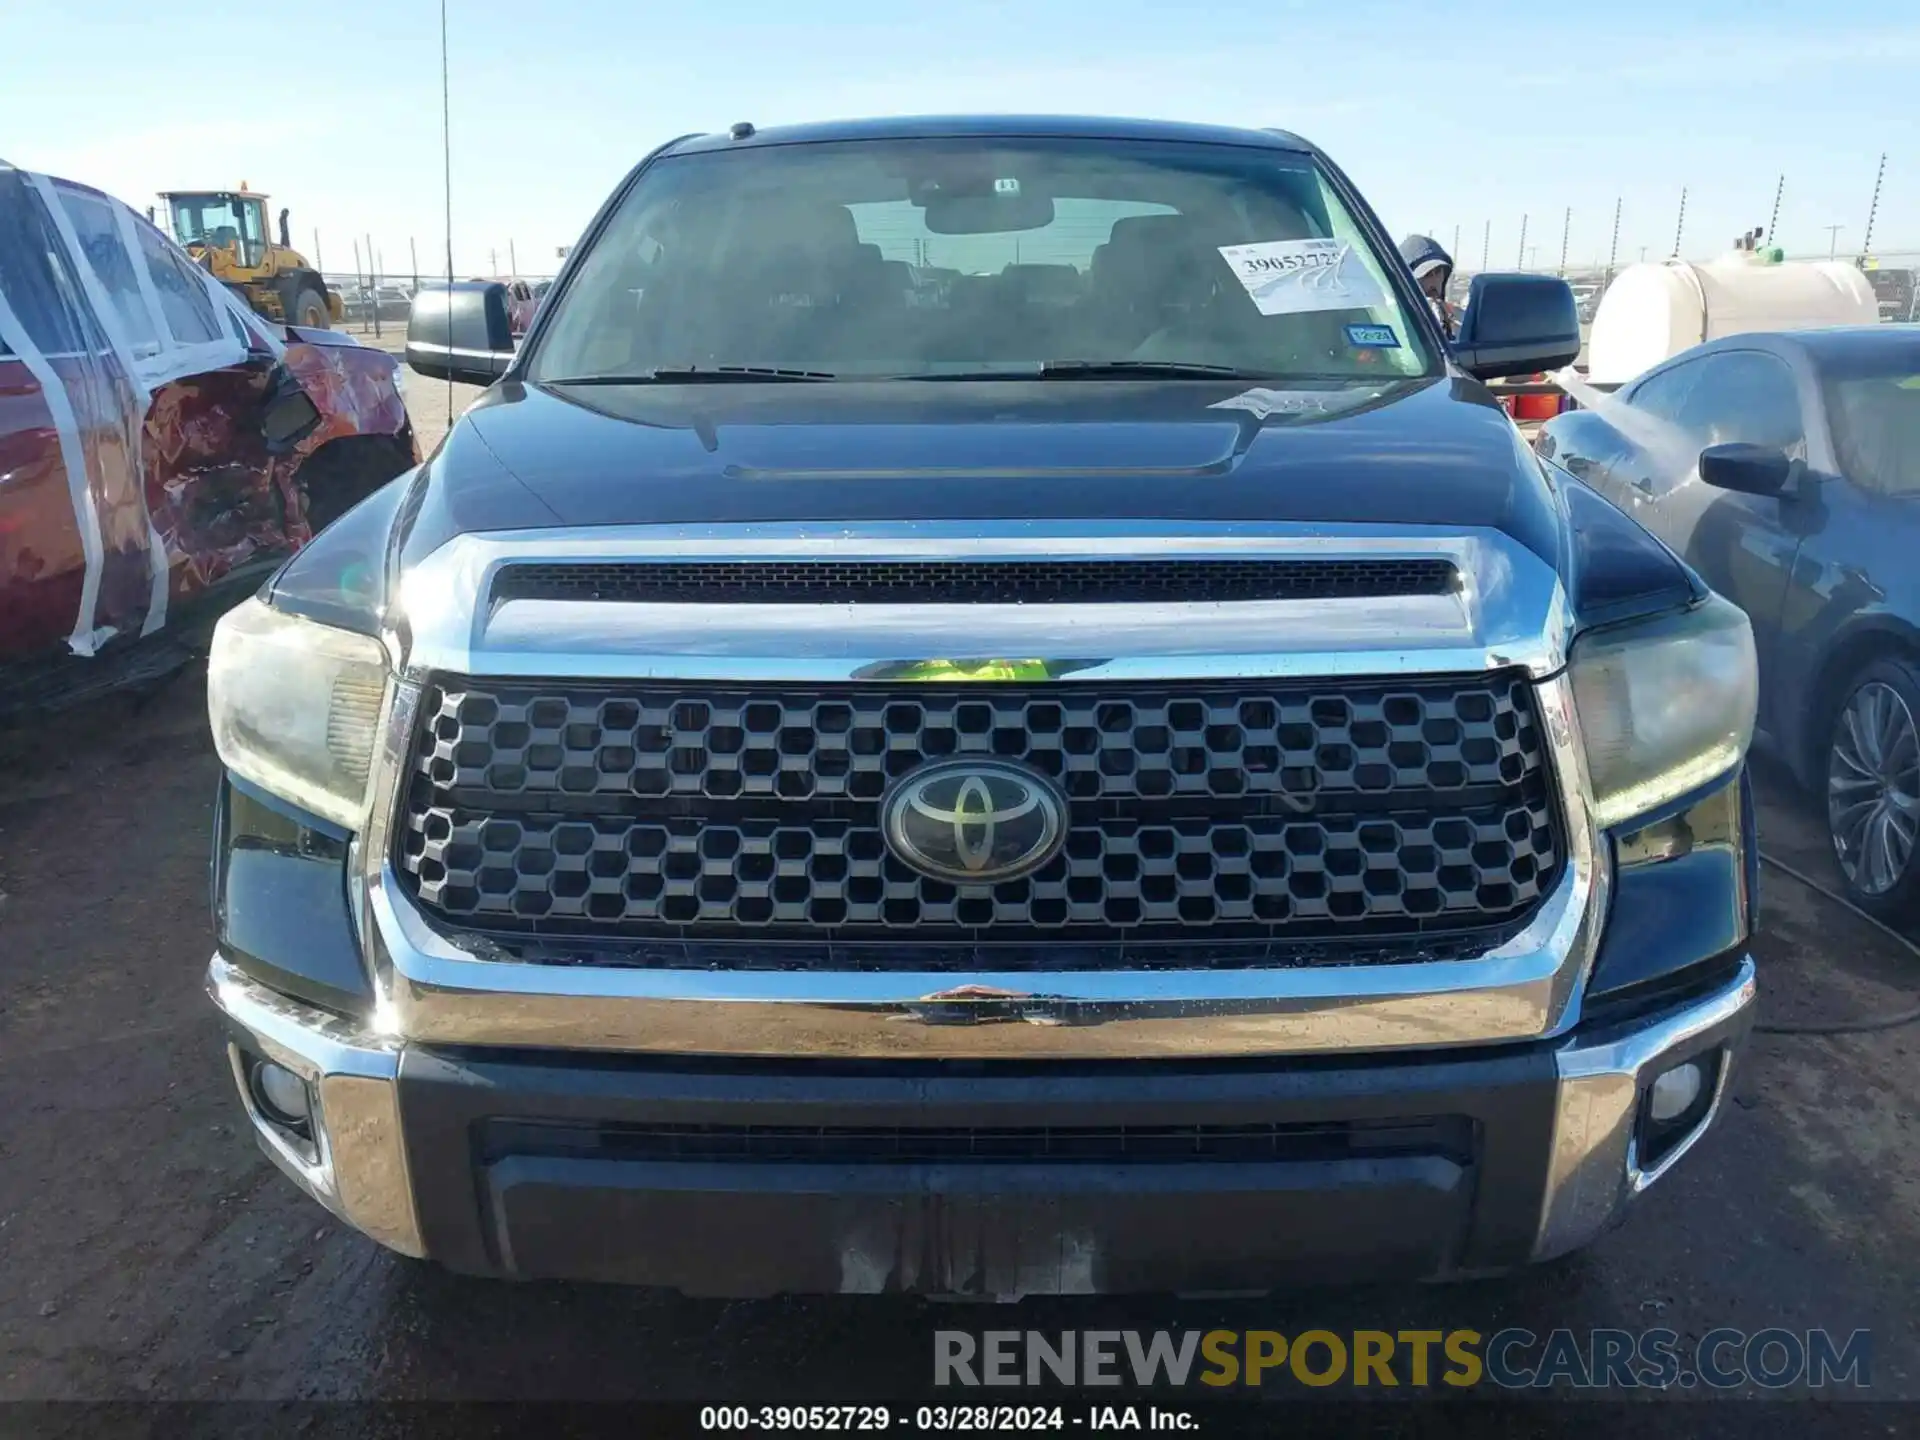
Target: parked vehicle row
390,300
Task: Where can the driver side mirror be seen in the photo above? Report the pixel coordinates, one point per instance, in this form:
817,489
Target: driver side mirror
1517,325
461,332
1747,469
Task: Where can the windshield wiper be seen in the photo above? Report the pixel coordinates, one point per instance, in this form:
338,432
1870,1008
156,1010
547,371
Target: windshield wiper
1096,370
698,375
1151,369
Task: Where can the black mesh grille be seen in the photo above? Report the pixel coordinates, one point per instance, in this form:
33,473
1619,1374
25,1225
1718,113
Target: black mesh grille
1029,582
1325,815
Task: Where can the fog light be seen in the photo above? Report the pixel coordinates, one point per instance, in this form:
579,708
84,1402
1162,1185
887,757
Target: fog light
1674,1092
282,1094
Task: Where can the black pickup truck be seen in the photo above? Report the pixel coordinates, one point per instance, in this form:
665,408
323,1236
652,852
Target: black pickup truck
984,707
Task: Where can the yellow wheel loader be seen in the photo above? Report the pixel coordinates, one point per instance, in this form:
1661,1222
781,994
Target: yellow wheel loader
226,231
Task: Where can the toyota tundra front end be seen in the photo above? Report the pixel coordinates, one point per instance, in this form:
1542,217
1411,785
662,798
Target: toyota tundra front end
985,708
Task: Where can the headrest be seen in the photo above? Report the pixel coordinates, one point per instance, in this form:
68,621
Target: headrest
818,228
1042,282
1141,231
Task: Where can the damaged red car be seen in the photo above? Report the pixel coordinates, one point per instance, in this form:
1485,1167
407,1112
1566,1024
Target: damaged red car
162,447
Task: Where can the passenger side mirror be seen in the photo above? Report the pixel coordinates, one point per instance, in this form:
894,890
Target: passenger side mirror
1517,325
1747,469
461,332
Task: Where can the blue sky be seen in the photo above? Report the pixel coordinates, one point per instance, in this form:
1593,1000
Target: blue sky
1445,115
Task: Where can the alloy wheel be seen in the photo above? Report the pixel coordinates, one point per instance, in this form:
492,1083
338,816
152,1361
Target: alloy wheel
1873,788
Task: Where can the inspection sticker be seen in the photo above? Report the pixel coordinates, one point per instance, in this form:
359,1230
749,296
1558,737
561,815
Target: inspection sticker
1290,277
1372,337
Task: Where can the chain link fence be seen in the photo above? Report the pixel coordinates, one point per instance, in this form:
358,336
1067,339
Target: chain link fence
1894,275
378,304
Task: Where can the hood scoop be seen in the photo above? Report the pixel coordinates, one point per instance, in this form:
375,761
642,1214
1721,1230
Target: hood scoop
963,582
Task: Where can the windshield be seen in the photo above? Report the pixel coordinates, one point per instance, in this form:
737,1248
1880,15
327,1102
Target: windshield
932,258
220,221
210,218
1873,407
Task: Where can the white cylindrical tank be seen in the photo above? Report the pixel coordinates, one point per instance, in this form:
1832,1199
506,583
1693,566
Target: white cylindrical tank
1651,312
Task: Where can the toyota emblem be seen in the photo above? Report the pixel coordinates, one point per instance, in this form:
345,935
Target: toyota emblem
974,822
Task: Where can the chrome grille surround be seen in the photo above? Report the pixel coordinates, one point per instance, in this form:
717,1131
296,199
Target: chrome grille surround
439,984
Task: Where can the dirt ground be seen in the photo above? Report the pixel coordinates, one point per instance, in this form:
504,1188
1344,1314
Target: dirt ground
148,1251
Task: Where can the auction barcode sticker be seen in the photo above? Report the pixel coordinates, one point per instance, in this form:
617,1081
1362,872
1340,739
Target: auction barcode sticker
1290,277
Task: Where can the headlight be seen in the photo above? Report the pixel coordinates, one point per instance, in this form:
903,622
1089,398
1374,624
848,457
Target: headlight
1665,705
295,708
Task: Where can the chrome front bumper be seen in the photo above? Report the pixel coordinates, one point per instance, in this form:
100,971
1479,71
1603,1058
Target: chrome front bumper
357,1165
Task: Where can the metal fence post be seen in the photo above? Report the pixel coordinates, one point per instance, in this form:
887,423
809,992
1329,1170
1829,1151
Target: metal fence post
1613,250
1873,207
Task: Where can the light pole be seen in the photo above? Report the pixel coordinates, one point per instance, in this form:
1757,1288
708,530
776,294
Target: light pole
1833,240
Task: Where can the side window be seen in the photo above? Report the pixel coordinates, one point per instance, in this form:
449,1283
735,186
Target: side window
252,242
1663,395
183,294
33,272
98,231
1748,397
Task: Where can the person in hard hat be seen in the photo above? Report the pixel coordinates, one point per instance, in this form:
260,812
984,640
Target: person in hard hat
1432,268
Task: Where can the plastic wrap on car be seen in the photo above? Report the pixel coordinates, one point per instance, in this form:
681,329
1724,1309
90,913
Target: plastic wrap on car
70,393
138,475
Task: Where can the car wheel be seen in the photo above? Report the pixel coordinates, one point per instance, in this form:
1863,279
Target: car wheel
1873,790
310,310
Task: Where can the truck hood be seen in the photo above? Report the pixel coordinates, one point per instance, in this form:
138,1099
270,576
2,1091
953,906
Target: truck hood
1429,452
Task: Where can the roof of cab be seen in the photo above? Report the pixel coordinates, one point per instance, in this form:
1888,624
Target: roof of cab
925,127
